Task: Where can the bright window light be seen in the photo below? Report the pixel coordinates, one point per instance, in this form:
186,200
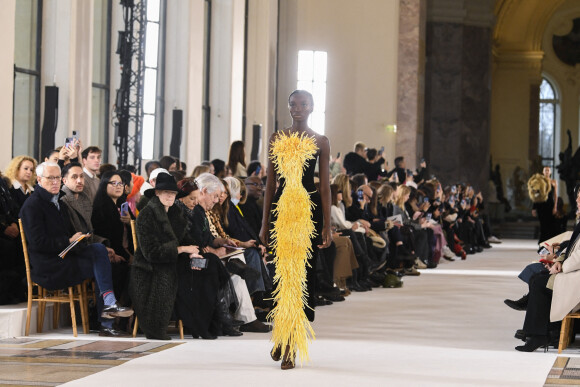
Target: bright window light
312,67
150,79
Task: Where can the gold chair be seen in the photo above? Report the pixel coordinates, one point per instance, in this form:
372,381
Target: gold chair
178,323
42,296
567,327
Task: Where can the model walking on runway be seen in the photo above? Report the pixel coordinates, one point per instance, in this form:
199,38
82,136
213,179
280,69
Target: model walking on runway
299,216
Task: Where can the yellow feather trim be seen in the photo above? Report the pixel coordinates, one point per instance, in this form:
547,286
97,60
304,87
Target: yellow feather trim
290,239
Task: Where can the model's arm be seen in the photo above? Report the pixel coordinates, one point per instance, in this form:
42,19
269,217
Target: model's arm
268,195
324,174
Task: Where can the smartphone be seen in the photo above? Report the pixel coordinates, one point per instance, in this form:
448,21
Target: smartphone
429,216
381,150
360,195
543,251
199,263
258,169
454,189
125,209
338,155
69,142
426,200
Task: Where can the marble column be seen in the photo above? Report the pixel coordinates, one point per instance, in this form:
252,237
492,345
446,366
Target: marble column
411,65
457,102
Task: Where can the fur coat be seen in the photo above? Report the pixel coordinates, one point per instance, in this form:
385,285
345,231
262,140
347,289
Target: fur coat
566,284
153,284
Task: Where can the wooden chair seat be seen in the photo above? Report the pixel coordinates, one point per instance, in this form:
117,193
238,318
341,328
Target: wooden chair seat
567,328
178,323
37,293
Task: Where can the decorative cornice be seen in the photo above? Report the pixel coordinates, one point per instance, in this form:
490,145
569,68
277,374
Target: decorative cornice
466,12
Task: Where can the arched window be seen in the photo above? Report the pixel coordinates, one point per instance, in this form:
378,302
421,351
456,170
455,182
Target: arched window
548,111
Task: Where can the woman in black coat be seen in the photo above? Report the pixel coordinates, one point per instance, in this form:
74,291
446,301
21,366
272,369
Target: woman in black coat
108,222
163,245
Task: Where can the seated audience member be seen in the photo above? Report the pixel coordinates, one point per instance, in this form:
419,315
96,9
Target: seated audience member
177,175
210,165
199,170
252,209
12,271
134,193
244,310
48,232
255,169
237,160
239,229
52,156
162,273
168,163
115,225
91,160
152,179
69,153
150,166
20,172
219,168
104,168
553,293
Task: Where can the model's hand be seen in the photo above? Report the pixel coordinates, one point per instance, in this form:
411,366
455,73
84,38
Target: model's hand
326,238
264,235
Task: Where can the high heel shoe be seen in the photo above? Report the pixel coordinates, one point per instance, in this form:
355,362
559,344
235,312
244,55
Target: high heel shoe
287,363
533,343
276,353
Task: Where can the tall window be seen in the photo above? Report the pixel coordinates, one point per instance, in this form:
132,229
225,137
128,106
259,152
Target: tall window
151,77
312,78
26,114
101,76
548,112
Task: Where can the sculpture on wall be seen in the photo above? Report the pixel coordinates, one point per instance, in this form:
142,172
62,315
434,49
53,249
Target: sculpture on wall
569,171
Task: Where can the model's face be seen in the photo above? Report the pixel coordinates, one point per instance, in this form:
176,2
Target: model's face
547,172
75,179
300,107
92,162
115,187
25,171
208,199
191,200
167,198
50,180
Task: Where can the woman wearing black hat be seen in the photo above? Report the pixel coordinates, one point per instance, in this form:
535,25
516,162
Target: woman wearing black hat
163,243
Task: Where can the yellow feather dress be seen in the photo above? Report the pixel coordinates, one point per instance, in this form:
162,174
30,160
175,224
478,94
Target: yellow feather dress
291,235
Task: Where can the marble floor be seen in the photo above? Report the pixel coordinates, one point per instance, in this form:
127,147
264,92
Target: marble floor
447,327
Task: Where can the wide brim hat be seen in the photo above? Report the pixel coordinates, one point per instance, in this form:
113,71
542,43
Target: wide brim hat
164,182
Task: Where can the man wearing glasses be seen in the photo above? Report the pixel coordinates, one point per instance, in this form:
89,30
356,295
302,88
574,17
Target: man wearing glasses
48,231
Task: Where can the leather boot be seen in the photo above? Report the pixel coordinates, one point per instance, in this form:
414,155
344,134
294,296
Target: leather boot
225,319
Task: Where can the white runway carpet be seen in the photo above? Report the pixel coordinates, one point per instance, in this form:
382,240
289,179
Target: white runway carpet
448,327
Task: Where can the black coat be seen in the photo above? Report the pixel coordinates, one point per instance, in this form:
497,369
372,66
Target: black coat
238,228
153,284
355,163
200,231
107,223
47,231
252,214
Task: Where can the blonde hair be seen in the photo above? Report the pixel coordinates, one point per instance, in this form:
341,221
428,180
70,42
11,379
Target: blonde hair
199,170
402,191
343,183
11,171
385,192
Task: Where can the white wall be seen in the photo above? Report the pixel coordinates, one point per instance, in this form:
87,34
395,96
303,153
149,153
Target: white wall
7,34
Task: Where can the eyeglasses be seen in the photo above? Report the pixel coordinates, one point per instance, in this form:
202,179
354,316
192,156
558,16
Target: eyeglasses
53,179
116,183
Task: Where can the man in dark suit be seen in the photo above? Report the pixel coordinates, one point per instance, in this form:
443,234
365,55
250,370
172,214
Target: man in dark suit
48,232
251,209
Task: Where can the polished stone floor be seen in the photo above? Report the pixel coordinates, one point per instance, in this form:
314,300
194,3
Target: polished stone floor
447,327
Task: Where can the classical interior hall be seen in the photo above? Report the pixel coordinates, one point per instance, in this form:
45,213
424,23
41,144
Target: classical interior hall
487,92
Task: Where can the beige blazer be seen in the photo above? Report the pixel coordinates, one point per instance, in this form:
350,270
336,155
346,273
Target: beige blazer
566,297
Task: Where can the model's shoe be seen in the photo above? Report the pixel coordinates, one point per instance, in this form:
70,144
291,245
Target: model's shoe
276,353
533,343
112,311
521,304
287,363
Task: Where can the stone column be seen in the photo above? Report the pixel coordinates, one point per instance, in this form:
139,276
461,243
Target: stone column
7,35
411,71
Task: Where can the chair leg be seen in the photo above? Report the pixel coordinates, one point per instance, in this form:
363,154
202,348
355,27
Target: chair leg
135,327
83,307
564,334
55,315
29,313
180,323
73,315
40,314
